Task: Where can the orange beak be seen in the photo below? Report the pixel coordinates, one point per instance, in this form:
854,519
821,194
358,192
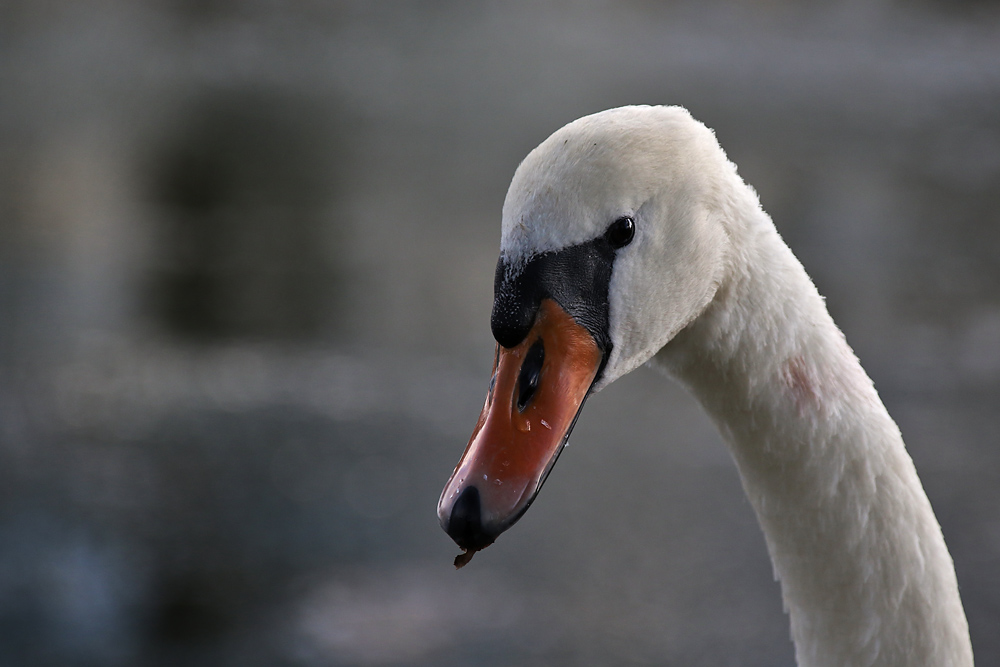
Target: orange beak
536,393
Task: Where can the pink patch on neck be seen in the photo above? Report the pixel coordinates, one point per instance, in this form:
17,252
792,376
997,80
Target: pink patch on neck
801,383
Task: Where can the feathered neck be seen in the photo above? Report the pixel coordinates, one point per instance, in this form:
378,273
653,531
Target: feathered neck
865,574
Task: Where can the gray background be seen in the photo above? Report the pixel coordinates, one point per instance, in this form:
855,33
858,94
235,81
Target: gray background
246,260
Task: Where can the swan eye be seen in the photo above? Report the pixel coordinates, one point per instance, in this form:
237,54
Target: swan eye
620,232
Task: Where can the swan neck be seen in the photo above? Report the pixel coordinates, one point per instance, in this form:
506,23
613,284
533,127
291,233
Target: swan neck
866,577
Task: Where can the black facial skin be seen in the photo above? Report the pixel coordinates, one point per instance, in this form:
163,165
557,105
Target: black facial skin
577,278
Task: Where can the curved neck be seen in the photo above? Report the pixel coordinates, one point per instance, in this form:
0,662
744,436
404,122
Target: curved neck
865,573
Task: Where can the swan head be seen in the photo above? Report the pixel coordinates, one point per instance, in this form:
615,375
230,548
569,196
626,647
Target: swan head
613,240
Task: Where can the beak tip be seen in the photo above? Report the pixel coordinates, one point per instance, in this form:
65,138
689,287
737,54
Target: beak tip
464,523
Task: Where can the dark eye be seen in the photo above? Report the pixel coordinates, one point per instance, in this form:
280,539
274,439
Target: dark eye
620,232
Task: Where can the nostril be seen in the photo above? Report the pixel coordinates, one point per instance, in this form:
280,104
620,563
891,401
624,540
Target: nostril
531,373
466,524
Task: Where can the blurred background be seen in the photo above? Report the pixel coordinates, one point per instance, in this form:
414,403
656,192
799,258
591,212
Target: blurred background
246,262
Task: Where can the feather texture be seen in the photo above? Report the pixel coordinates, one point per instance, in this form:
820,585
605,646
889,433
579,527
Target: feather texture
709,292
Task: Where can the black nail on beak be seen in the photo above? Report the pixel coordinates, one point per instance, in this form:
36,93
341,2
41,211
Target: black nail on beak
465,525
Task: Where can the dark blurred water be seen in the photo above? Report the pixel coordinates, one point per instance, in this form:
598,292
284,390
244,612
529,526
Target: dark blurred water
246,259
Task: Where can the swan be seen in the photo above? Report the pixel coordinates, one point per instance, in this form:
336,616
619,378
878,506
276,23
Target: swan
628,237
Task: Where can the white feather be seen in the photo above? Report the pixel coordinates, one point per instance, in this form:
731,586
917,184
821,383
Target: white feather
709,292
